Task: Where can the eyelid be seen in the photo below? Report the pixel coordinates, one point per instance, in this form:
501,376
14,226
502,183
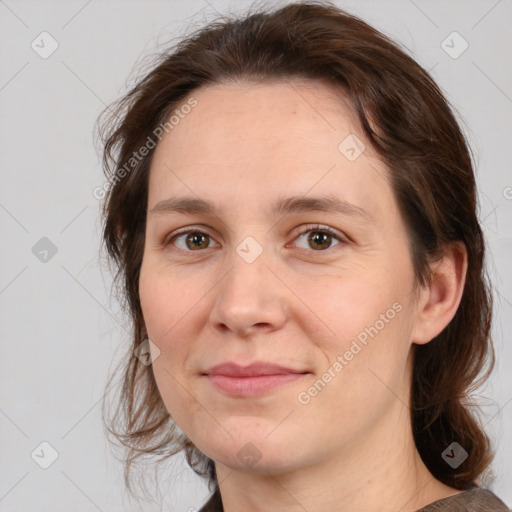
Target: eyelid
185,231
340,237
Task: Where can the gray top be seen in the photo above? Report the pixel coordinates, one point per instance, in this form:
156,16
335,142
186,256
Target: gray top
473,500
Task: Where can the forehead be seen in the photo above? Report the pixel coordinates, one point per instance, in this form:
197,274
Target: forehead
268,116
245,141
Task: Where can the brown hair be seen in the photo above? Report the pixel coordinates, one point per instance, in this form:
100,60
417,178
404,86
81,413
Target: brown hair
410,124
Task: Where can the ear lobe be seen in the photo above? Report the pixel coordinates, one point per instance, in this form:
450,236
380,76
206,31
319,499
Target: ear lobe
438,302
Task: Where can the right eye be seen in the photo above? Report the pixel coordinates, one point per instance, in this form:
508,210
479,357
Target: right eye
191,240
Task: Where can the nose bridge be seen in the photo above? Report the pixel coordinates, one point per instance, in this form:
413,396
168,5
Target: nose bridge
249,295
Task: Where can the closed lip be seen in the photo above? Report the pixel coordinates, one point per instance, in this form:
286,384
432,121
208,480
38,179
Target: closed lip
253,370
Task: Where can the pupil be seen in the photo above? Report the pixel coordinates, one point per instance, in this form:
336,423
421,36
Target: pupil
320,238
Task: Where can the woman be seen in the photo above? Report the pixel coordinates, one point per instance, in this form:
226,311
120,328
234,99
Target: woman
292,209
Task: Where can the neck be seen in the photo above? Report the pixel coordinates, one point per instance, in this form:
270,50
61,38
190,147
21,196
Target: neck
381,471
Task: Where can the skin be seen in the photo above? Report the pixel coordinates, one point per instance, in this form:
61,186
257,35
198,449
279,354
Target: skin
243,147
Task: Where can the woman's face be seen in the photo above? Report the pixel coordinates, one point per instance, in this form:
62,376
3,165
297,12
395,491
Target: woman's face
256,278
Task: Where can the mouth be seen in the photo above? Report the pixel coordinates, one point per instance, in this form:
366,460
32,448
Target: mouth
253,380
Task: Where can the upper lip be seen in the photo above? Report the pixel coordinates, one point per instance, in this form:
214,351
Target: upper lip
252,370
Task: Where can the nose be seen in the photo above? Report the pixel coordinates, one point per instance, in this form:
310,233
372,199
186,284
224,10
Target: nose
250,299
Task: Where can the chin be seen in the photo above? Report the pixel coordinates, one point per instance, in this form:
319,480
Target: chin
252,451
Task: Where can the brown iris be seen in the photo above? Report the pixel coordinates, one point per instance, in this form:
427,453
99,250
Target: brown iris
318,237
197,240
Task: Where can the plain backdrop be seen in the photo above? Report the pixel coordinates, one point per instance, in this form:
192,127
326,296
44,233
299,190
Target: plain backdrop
61,332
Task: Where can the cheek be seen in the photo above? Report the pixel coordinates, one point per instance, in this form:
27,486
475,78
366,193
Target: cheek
353,305
365,372
168,304
374,327
165,301
369,316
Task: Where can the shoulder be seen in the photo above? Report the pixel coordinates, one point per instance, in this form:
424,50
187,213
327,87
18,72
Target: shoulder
474,500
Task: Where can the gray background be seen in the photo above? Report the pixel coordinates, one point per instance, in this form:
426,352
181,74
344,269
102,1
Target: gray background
60,330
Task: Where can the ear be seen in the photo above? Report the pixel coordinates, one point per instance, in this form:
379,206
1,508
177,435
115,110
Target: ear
438,301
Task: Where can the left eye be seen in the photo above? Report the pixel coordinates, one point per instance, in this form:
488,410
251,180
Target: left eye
319,238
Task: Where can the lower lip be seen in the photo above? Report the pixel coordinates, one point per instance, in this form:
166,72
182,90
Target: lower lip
252,386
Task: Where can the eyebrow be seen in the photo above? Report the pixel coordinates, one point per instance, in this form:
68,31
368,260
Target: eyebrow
285,205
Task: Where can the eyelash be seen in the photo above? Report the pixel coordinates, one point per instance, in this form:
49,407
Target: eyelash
310,228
